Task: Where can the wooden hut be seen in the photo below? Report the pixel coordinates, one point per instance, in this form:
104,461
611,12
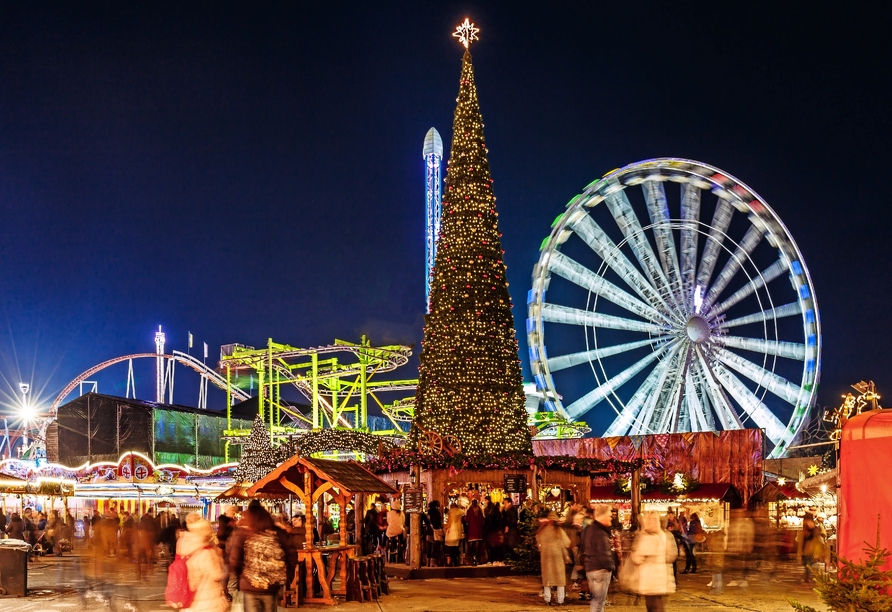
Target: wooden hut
309,479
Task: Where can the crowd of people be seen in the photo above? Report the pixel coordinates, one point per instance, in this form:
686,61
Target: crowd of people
586,549
479,535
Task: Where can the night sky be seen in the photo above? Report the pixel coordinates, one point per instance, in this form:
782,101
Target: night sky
254,171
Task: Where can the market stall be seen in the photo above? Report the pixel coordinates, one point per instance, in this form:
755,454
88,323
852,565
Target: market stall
312,481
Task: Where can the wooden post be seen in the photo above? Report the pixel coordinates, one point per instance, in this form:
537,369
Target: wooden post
415,525
635,487
358,515
310,519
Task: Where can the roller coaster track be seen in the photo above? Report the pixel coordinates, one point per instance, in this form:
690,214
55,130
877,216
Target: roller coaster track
182,358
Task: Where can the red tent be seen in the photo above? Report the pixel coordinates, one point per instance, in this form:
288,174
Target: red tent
866,491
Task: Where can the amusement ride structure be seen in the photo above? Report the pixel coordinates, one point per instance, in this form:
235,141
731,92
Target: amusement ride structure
433,158
671,317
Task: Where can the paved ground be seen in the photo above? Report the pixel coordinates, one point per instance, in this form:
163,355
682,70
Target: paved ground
70,583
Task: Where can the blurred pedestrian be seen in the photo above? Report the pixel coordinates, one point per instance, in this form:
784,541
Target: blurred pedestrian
54,531
454,533
511,518
553,546
695,534
436,536
204,563
597,557
3,520
741,534
257,557
147,538
653,552
807,544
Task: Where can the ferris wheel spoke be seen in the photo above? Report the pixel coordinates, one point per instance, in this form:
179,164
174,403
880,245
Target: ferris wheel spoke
659,405
742,253
597,395
553,313
752,405
778,385
619,205
725,412
701,419
658,209
578,274
769,274
632,408
787,310
562,362
778,348
690,215
720,221
606,249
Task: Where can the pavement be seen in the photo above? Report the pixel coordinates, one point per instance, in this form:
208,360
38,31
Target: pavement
75,583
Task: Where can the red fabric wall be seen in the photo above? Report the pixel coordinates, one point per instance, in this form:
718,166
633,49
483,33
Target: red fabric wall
733,457
866,487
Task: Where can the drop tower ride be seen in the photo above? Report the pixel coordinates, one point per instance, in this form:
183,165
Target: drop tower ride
433,157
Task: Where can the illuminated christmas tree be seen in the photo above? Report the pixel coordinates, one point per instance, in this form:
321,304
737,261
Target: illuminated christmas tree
470,384
259,456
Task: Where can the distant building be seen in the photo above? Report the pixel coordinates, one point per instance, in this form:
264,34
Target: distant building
97,427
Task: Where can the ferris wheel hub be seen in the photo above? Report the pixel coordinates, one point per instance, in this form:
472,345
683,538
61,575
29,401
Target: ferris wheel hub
697,329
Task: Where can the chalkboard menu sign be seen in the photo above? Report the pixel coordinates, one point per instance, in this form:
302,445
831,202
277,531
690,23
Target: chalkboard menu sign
515,483
413,499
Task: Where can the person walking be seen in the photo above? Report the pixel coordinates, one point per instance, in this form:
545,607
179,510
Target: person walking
54,532
437,535
597,557
396,531
807,545
204,564
454,533
16,529
257,558
494,525
653,551
553,546
693,535
370,534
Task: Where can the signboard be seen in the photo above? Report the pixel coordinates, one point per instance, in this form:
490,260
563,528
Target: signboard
515,483
413,500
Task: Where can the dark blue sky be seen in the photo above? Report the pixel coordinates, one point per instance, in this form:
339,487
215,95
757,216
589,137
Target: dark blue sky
254,171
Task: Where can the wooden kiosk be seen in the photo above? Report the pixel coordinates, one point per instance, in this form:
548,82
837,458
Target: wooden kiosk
309,479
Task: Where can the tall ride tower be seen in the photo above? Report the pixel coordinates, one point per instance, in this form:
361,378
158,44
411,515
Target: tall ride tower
433,156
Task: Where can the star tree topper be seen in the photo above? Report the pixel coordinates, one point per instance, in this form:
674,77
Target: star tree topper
466,33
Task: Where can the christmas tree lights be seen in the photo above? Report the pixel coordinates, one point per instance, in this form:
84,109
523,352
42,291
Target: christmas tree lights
470,384
259,456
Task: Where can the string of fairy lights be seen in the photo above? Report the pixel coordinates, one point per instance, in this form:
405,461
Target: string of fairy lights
470,383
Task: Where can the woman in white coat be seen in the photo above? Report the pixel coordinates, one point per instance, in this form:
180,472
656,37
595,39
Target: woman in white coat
653,552
454,533
204,564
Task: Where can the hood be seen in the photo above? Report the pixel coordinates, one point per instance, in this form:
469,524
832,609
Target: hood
190,543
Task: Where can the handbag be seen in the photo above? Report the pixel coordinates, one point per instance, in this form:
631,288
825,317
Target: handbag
628,576
439,535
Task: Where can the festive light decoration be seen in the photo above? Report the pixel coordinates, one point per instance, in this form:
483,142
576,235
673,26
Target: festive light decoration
470,384
466,33
259,456
327,440
506,461
781,481
851,405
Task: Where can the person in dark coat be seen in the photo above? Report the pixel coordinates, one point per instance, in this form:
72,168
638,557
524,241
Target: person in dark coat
16,529
597,556
3,521
494,526
510,518
255,520
370,531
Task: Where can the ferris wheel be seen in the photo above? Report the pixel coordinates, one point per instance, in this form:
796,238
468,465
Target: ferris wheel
670,297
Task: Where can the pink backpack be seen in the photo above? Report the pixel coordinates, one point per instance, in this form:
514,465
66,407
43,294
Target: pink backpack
178,594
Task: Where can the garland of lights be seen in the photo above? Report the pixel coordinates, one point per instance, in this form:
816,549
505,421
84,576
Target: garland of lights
510,461
675,484
327,440
469,382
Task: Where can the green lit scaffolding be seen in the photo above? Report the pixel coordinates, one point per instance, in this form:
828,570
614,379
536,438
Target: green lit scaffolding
337,379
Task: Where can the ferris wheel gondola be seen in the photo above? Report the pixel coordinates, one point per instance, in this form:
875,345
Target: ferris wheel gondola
689,321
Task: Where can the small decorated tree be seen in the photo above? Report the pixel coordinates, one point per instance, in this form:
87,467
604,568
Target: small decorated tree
859,587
